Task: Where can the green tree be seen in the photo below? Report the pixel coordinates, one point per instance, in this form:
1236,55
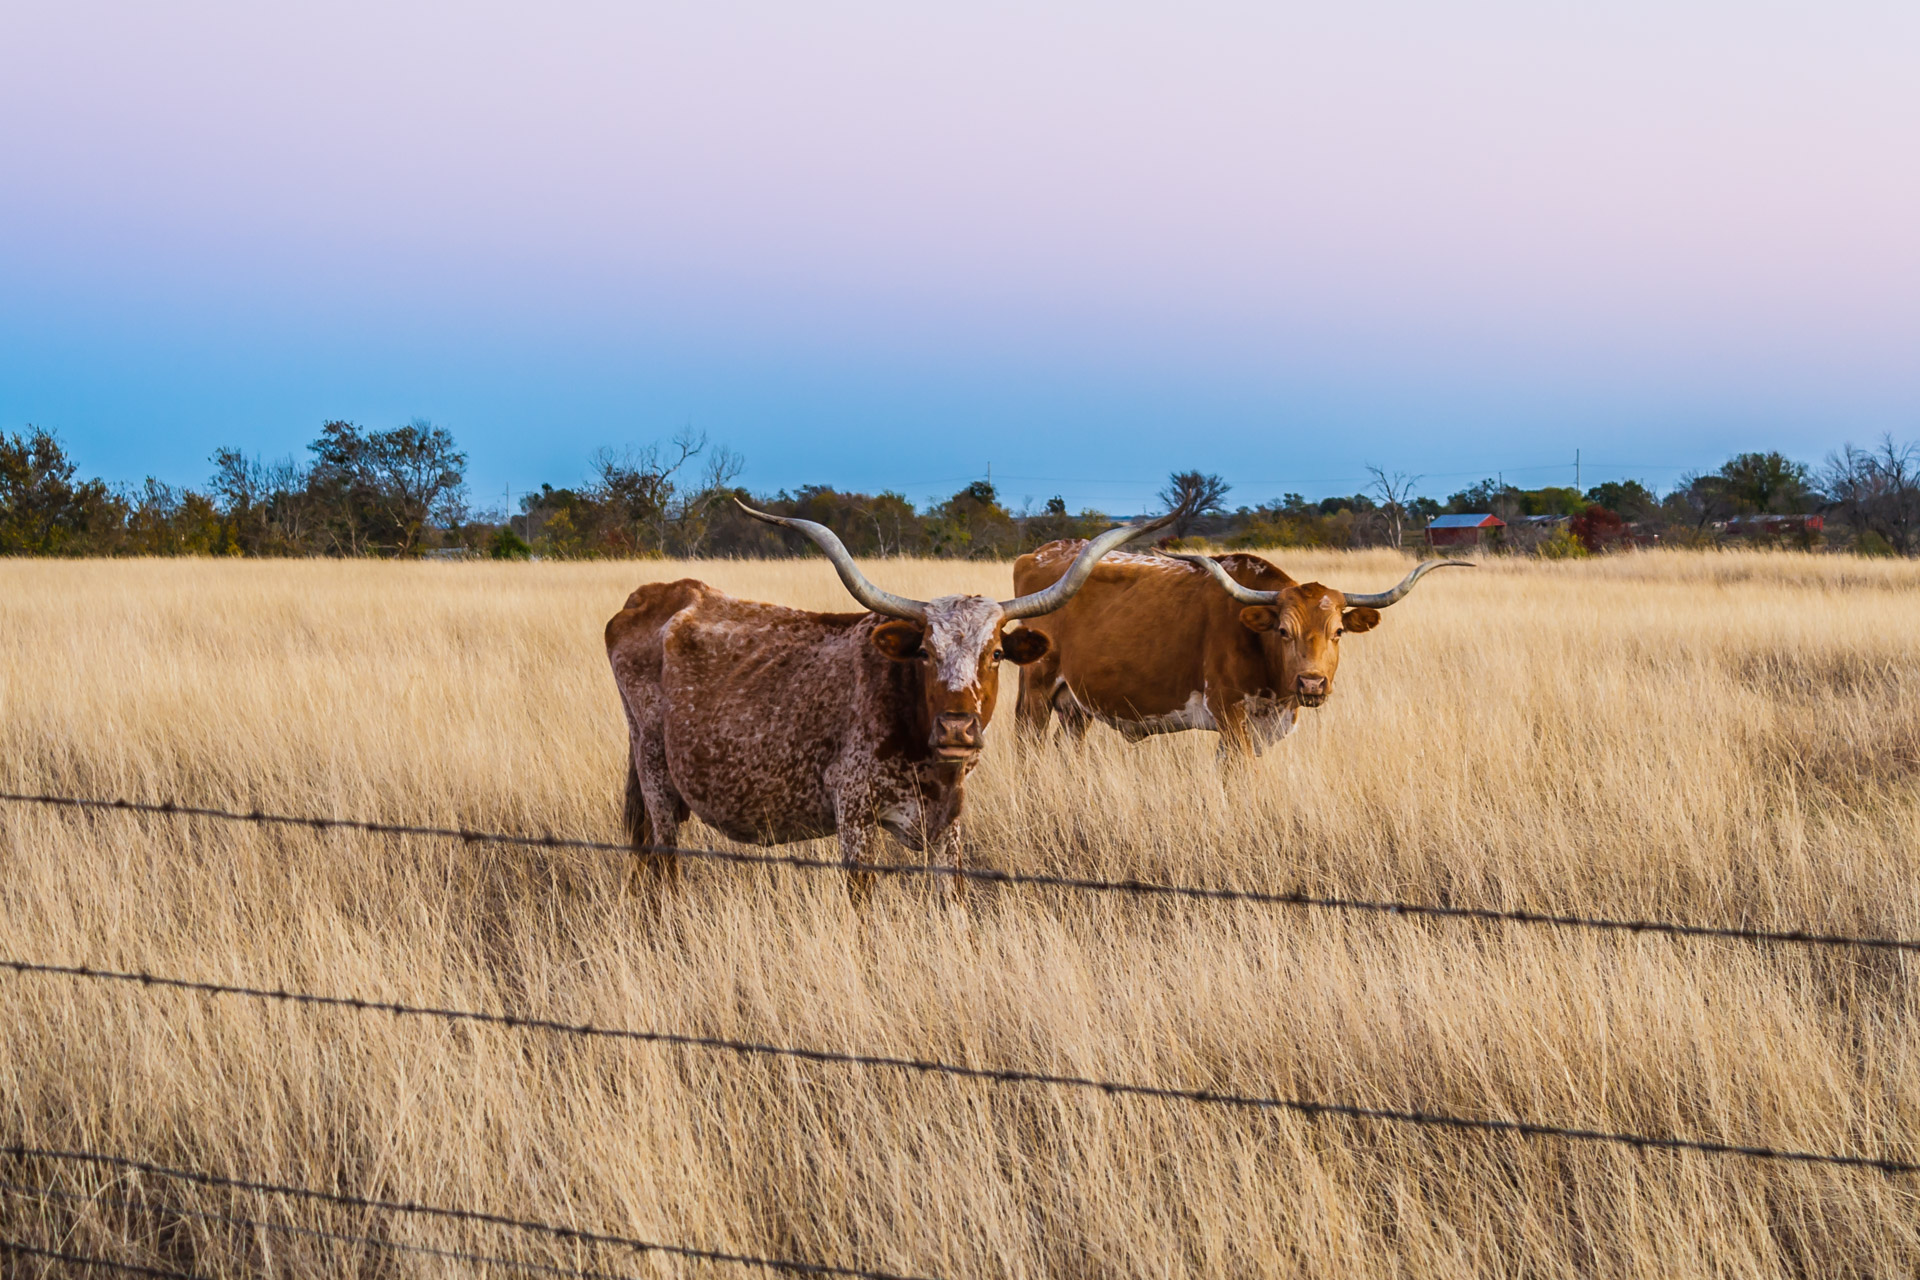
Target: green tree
972,523
164,521
44,510
1629,499
1751,484
378,491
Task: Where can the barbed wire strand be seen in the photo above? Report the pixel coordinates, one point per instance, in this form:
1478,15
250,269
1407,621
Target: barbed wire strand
995,1075
580,1235
288,1228
82,1260
1412,910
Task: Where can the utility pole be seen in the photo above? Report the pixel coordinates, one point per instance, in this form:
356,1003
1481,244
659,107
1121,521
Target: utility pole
1576,472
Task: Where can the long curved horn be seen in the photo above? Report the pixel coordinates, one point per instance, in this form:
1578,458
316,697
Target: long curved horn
1381,599
1050,598
1245,595
1376,600
883,602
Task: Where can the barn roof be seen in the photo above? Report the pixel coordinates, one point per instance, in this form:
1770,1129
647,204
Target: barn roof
1479,521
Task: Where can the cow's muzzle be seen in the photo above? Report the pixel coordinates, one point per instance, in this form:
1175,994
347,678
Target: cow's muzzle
1311,690
956,736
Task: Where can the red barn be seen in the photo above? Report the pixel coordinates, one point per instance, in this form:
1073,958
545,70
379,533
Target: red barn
1458,531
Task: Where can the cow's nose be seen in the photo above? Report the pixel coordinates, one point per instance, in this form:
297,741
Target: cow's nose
957,730
1312,686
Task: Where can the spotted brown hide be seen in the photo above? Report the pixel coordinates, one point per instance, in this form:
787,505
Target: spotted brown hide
775,724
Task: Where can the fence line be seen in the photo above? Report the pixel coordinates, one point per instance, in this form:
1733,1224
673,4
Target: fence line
554,1230
1141,888
993,1075
82,1260
288,1228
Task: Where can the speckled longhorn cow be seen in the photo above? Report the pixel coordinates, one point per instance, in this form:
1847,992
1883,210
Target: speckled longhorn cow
775,724
1153,644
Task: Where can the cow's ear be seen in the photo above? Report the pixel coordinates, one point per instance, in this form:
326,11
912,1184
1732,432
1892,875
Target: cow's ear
1024,646
898,640
1360,619
1259,617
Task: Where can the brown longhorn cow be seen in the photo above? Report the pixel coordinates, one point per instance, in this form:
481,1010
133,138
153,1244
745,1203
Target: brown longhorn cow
1154,644
775,724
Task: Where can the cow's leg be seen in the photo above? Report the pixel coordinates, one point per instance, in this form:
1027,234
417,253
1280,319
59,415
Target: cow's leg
654,813
1074,720
1238,746
859,788
949,849
856,848
1035,707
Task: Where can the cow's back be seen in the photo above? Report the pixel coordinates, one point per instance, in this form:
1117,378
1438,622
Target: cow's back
1136,639
634,634
759,704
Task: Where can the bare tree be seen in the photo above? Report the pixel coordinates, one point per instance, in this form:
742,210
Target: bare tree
1878,491
1194,495
693,507
1395,491
639,487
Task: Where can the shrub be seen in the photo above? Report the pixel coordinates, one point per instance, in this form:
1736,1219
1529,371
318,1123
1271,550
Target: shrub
508,545
1561,545
1597,528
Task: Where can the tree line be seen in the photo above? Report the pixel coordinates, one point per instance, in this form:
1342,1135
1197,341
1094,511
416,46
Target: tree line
402,493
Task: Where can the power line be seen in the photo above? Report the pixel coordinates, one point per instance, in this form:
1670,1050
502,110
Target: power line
985,875
993,1075
440,1211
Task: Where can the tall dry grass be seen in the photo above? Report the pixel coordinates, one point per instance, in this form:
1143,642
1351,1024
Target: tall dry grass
1717,738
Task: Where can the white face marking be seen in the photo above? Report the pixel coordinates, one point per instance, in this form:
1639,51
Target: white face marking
959,631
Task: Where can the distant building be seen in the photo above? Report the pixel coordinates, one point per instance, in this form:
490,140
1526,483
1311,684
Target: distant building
1461,531
1771,526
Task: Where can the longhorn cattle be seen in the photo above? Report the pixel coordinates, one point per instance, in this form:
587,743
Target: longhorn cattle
775,724
1154,644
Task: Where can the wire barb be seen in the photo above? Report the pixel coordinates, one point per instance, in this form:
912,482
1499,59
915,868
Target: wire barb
1483,915
1003,1076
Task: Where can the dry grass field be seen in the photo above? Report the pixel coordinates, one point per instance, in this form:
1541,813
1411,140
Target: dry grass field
1713,738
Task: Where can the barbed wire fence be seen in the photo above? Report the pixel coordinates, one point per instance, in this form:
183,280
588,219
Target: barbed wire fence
1312,1109
412,1208
739,1048
993,876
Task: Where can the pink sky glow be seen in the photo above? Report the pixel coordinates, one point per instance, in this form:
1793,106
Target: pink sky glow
1671,223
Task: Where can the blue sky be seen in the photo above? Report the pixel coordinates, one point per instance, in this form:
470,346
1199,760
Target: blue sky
882,245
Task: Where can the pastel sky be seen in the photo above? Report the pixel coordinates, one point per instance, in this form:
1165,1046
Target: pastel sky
887,244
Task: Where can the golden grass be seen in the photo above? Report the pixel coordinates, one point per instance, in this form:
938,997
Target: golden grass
1713,738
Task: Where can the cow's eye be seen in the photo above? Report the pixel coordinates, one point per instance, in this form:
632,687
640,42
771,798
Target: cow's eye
999,654
1284,633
